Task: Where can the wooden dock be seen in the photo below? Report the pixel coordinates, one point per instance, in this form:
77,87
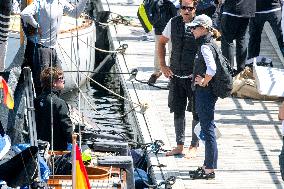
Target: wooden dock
251,133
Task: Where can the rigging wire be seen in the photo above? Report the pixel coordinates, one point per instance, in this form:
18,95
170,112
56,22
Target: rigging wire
143,106
51,99
87,100
112,92
121,49
162,173
78,72
77,86
138,104
33,134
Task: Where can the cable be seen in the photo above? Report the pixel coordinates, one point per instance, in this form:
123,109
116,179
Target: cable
121,49
162,174
143,107
150,84
139,104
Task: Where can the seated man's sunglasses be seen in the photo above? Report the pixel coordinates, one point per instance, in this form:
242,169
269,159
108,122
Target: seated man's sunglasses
187,8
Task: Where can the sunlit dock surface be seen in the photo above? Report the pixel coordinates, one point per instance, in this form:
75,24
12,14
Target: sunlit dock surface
251,133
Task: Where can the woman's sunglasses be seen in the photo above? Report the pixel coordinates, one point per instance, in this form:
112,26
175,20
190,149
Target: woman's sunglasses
194,27
187,8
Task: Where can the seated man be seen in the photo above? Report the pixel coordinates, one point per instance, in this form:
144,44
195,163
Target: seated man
52,113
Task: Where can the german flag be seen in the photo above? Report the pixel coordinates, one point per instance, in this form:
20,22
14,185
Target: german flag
81,179
8,99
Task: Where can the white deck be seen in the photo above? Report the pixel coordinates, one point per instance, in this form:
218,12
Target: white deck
251,141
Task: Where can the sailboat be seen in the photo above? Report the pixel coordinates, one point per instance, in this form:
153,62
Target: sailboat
77,54
75,48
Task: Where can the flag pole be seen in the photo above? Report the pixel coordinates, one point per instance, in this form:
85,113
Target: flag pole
74,138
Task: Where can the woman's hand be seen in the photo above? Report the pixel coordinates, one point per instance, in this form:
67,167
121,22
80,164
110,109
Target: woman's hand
203,82
198,80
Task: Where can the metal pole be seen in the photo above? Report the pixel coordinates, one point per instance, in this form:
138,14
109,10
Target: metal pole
29,93
74,138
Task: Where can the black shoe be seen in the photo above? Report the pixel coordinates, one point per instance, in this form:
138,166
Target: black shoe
202,175
198,170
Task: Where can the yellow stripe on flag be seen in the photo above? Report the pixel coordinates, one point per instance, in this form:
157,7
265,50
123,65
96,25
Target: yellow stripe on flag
82,180
80,177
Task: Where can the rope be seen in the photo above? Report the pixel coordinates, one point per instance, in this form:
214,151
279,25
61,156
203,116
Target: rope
119,19
120,49
88,101
143,108
142,105
162,174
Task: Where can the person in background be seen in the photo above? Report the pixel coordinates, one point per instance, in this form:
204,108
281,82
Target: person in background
210,8
51,112
42,21
234,21
205,100
181,67
206,7
270,11
163,12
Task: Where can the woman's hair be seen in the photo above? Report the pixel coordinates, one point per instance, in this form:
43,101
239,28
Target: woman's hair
216,33
194,2
49,75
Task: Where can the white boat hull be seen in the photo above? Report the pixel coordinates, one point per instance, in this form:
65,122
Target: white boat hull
75,49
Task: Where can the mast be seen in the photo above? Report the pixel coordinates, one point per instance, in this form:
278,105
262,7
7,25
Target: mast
5,12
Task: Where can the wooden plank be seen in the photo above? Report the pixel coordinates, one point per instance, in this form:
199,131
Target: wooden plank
251,136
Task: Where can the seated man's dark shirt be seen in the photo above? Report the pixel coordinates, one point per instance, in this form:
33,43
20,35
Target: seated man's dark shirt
62,125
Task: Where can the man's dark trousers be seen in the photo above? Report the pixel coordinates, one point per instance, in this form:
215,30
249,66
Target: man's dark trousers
234,28
255,29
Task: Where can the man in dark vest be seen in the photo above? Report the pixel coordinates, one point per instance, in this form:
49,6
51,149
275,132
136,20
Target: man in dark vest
234,21
179,72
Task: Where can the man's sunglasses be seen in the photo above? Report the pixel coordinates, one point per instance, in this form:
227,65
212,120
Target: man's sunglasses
187,8
61,78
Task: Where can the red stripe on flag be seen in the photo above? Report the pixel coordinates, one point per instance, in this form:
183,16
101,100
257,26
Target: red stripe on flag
8,99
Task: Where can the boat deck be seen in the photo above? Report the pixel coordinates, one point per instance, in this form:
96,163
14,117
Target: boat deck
251,133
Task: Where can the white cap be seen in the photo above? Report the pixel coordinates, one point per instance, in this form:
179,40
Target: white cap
201,20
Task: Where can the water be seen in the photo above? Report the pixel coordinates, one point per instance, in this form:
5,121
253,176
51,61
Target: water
109,109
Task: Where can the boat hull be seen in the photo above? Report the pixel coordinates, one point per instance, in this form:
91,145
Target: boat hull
75,49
